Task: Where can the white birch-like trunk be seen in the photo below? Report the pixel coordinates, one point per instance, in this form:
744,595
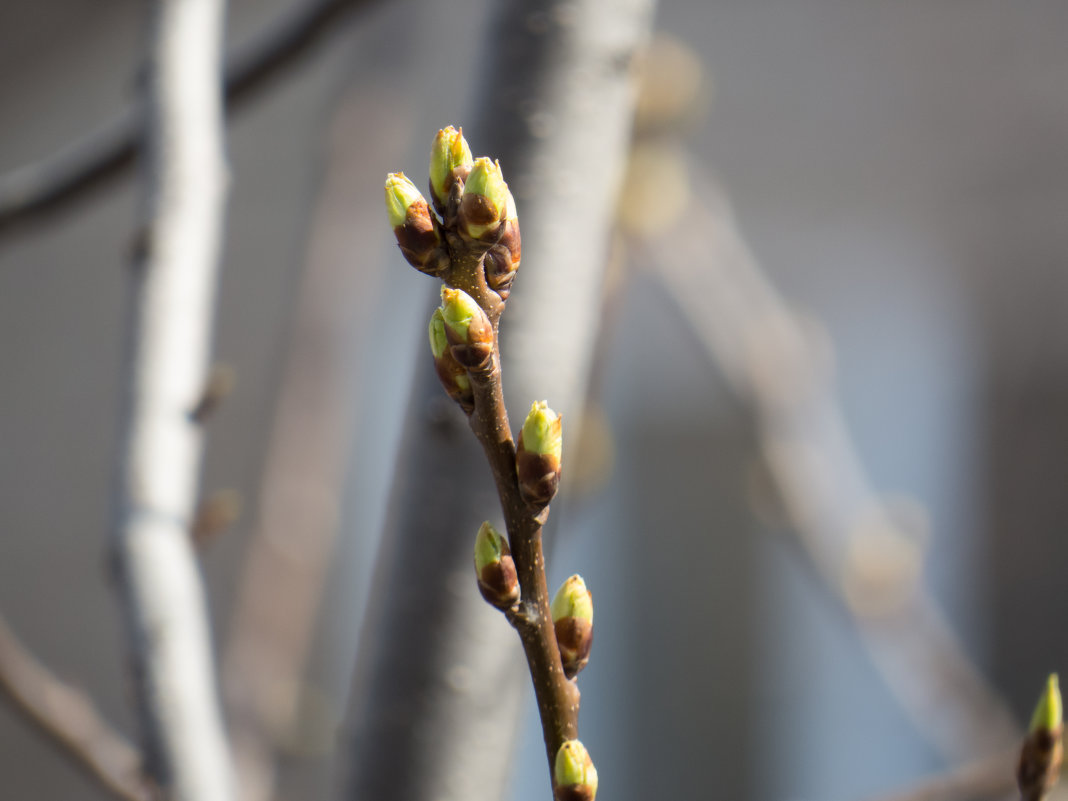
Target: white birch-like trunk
168,339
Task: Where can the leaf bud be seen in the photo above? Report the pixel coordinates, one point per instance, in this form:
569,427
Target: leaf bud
502,259
451,373
413,226
572,613
1039,766
538,455
450,159
495,568
467,328
484,205
574,775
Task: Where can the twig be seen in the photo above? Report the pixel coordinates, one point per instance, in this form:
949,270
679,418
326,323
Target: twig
168,339
70,720
90,162
562,153
759,343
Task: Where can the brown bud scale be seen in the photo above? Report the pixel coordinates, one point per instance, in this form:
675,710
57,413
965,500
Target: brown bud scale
448,370
474,352
1040,763
575,638
499,583
539,475
573,792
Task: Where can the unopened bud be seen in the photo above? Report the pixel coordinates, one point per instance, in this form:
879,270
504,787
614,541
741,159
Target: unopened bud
467,328
413,227
484,205
572,613
538,455
574,776
502,260
495,568
451,373
1040,758
450,159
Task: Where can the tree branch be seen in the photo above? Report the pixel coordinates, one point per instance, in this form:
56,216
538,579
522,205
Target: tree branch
71,721
89,163
165,370
435,700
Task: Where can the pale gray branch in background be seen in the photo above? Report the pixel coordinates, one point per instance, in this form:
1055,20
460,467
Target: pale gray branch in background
108,150
170,310
70,720
849,533
435,702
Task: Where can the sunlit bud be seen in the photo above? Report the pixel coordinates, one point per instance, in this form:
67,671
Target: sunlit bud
413,226
1040,758
450,158
572,613
502,259
494,567
467,328
538,454
451,373
484,205
574,776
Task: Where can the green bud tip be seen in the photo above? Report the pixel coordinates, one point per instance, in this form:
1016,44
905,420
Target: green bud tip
572,600
438,341
574,766
542,431
400,195
458,310
1049,714
489,546
449,151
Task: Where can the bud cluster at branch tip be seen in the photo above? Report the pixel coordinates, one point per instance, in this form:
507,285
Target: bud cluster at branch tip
574,776
450,160
572,613
451,373
1040,758
495,569
416,234
538,455
467,328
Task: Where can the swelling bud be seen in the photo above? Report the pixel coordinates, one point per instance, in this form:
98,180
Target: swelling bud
538,455
574,775
467,328
495,568
450,160
572,613
452,375
1039,766
484,205
413,227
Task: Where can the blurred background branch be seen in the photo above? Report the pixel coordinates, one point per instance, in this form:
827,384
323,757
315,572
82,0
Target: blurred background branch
70,720
108,150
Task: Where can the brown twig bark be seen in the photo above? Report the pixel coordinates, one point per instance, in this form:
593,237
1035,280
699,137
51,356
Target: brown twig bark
168,338
557,696
89,163
70,721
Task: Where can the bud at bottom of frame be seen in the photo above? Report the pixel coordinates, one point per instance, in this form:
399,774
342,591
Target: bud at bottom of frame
1039,766
574,776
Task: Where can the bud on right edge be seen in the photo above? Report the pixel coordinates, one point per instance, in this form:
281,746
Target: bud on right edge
1040,758
538,452
574,776
572,613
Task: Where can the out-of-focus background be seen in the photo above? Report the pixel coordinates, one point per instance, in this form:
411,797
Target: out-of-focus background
898,174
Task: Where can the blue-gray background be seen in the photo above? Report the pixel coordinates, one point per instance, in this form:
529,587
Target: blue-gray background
900,170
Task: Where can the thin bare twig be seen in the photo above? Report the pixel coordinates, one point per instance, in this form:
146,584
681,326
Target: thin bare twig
170,311
71,721
87,164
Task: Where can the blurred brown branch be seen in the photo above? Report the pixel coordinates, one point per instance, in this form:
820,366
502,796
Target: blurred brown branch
106,152
70,720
